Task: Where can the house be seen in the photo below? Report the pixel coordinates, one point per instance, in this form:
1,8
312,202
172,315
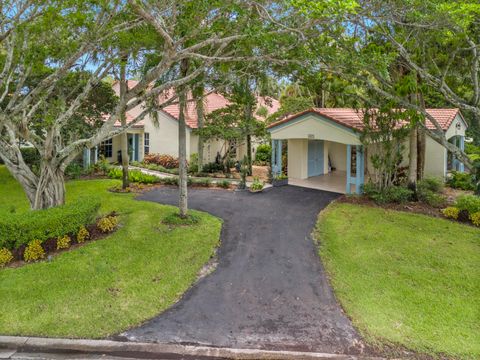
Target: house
325,151
149,136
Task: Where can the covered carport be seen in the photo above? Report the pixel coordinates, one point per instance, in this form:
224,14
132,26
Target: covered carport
324,149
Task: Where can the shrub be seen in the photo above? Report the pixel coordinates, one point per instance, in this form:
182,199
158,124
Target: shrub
34,251
461,181
224,184
63,242
428,191
107,224
212,167
451,212
469,203
22,228
431,198
193,166
5,257
475,218
82,234
165,160
135,176
73,170
256,185
430,184
264,153
392,194
201,182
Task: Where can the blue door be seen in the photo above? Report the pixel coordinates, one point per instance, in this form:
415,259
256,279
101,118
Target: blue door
315,157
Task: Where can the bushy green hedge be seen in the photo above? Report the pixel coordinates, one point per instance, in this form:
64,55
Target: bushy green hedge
133,176
463,181
19,229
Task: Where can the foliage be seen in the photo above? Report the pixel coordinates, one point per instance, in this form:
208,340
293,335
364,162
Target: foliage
463,181
34,251
475,218
384,139
31,156
201,182
174,219
256,184
155,167
107,224
134,176
5,257
391,194
225,184
264,153
451,212
428,191
193,165
281,176
73,170
469,203
416,278
17,229
213,167
82,234
165,160
63,242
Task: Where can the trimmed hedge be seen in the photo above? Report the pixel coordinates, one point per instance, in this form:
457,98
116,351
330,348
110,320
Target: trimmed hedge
19,229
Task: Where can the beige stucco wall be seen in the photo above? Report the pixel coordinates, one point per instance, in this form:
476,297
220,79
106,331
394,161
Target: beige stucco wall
452,130
338,155
164,136
313,127
298,158
435,158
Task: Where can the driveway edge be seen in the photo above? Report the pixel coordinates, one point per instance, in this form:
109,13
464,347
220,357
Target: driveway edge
154,350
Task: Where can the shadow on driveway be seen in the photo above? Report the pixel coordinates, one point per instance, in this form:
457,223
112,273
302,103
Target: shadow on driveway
269,290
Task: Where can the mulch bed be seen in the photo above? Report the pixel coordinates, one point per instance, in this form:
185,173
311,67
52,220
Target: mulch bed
412,207
50,245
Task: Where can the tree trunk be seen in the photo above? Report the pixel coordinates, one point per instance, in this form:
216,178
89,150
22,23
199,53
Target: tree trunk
182,146
421,152
200,115
50,189
412,165
249,154
123,120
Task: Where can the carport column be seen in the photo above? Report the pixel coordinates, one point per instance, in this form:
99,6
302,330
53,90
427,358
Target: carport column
276,157
360,170
349,168
461,167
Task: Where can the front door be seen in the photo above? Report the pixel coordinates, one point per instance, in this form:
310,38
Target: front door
315,157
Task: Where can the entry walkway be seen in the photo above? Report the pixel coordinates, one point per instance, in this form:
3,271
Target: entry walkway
334,181
269,290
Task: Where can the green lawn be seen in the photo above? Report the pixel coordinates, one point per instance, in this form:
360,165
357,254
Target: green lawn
405,279
109,285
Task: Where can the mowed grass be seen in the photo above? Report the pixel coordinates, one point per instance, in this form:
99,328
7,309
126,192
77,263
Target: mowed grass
405,279
108,285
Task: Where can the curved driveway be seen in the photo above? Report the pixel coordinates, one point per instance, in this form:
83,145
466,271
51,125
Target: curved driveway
269,289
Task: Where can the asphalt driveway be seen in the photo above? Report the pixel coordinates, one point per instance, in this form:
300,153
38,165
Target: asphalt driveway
269,290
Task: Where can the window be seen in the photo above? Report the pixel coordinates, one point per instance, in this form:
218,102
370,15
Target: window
146,143
106,148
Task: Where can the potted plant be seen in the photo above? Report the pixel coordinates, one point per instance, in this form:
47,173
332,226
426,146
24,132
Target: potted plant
280,180
257,185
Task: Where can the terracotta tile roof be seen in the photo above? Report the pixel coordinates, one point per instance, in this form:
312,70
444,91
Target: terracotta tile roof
353,119
213,101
